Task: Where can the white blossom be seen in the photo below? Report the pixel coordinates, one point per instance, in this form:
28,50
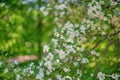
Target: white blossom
55,41
91,74
31,64
16,62
50,57
75,63
59,77
5,70
94,53
62,54
79,72
16,70
66,69
46,48
101,76
31,72
18,77
40,75
44,10
48,64
60,7
68,77
84,60
70,49
115,76
1,63
82,29
81,49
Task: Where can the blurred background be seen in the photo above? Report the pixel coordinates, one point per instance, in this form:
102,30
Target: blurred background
23,29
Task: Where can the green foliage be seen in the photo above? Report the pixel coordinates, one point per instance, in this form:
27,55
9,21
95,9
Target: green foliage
23,30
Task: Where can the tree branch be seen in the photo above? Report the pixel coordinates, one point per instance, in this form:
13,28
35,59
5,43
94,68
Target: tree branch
105,37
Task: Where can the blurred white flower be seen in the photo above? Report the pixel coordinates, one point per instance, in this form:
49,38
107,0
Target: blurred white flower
31,72
55,41
104,33
83,39
70,40
75,63
48,64
79,72
82,29
68,77
62,54
66,69
84,60
49,79
94,53
114,76
101,76
60,7
1,63
16,62
91,74
31,64
40,75
5,70
70,49
44,10
59,77
81,49
50,57
18,77
45,48
68,25
95,10
62,14
58,61
113,3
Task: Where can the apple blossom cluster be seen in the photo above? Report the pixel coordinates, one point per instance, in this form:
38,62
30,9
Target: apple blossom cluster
95,9
45,10
102,76
65,58
38,72
59,59
66,54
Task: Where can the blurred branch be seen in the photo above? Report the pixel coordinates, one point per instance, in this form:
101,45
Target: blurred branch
105,37
107,47
25,58
114,34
